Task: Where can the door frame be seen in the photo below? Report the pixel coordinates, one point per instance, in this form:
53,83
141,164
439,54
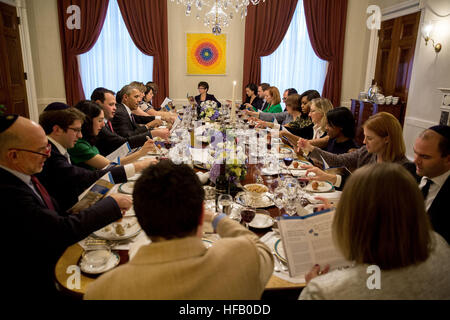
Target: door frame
27,58
388,13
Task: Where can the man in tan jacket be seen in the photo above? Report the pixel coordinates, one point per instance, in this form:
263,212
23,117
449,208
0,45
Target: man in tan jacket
168,201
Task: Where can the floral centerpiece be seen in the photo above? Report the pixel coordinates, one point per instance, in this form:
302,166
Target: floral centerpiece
232,159
209,110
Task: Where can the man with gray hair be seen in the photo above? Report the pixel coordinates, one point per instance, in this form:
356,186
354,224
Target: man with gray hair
31,214
432,159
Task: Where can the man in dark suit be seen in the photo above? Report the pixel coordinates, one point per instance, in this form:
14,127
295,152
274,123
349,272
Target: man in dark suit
39,229
127,124
64,181
107,140
432,159
262,88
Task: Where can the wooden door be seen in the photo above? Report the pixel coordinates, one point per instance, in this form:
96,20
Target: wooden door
13,93
396,55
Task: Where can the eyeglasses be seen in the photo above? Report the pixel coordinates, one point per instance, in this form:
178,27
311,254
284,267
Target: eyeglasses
48,150
77,130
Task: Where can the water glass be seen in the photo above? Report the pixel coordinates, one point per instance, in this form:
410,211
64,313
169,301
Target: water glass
225,203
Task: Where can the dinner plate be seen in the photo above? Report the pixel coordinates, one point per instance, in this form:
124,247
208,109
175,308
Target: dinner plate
291,167
208,243
279,251
111,264
130,227
243,199
261,221
127,187
324,186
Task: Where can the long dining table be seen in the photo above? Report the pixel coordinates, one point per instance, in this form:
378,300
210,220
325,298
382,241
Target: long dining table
275,288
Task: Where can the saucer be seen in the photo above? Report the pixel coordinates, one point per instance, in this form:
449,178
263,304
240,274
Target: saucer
111,264
261,221
264,202
127,187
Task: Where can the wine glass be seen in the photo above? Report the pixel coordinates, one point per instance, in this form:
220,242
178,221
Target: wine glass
225,202
247,215
278,198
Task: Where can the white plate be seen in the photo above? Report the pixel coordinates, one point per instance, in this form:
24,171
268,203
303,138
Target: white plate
130,226
245,200
208,243
279,251
324,186
112,263
127,187
261,221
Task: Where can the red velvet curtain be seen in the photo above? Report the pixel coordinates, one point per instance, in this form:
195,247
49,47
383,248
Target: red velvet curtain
326,22
78,41
146,21
265,28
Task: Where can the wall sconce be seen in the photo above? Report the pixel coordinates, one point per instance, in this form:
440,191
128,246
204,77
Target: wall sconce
427,31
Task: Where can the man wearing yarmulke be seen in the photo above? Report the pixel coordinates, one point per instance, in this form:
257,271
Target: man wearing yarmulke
38,231
432,159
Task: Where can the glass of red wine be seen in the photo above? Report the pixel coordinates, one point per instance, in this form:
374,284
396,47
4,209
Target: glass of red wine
247,215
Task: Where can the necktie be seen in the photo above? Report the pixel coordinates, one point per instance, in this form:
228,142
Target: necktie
67,157
426,188
110,126
133,120
43,192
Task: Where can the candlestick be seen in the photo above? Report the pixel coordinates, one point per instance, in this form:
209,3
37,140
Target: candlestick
233,103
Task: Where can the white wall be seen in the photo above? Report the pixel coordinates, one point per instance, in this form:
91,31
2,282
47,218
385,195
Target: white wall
430,71
180,83
355,51
46,51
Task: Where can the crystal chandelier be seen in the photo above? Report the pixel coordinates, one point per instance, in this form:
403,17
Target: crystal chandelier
221,12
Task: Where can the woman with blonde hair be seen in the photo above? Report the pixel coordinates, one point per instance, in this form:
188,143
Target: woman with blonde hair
383,143
381,221
318,110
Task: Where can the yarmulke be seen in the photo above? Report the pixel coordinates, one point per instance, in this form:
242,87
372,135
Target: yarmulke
7,121
55,106
442,130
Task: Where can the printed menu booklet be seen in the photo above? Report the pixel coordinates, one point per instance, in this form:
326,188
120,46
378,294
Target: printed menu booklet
94,193
307,241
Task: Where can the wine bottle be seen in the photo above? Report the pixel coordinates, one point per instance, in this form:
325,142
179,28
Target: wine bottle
221,184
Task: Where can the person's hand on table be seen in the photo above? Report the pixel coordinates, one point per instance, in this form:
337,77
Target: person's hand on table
315,272
325,205
155,123
261,124
149,146
320,175
142,164
162,133
304,145
252,113
125,202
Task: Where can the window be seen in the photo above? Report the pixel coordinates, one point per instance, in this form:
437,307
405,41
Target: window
114,61
294,64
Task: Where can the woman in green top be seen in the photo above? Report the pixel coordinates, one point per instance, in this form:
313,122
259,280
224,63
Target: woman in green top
273,99
85,153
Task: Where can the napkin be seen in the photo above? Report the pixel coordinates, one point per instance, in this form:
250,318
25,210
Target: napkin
269,240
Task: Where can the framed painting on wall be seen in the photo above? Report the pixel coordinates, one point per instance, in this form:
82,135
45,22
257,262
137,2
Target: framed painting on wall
206,54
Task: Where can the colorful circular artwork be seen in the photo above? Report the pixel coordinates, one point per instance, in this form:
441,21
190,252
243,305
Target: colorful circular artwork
206,54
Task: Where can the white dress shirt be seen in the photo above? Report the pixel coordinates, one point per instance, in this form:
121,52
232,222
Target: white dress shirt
318,132
435,187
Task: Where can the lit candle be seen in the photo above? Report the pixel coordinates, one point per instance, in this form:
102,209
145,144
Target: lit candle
233,103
